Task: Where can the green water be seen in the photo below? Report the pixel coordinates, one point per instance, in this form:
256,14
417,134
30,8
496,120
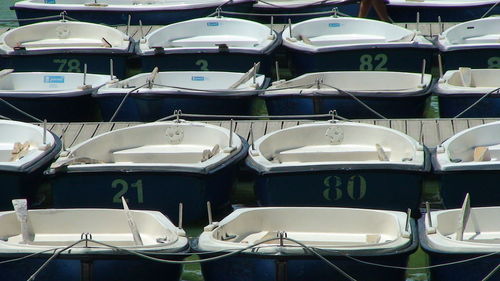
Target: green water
6,13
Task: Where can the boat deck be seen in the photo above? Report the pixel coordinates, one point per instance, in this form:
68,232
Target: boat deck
430,131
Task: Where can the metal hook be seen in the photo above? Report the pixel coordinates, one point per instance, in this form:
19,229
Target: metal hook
177,114
218,11
63,15
86,236
335,12
333,113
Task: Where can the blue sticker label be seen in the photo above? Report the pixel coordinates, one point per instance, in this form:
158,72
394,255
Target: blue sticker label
53,79
335,24
50,1
212,23
198,78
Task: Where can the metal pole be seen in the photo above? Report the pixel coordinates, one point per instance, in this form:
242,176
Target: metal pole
231,133
428,210
277,71
180,215
111,70
423,72
209,210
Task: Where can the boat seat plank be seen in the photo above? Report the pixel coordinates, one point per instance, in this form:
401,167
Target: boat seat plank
214,40
481,153
323,153
161,154
483,39
339,39
65,43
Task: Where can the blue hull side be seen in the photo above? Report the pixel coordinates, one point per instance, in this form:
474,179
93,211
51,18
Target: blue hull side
482,187
473,58
281,15
381,59
386,190
223,61
152,108
451,105
121,17
431,14
100,269
290,105
65,109
69,62
146,191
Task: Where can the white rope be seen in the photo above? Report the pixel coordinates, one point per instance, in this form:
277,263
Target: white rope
20,111
476,102
123,101
492,7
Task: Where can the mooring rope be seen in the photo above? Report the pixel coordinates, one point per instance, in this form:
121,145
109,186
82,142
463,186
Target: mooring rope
476,102
123,101
20,111
490,9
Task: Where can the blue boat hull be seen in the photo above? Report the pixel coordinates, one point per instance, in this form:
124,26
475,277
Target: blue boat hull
110,268
222,61
154,107
476,269
282,15
372,189
262,267
451,105
389,107
481,185
24,184
380,59
473,58
431,14
68,62
159,17
65,109
159,191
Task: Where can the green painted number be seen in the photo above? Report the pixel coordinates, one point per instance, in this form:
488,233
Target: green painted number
124,188
203,64
494,62
356,188
71,65
377,62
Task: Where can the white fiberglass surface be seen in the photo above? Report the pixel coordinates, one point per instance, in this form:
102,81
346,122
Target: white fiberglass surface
159,143
476,32
23,133
370,81
64,227
482,230
49,81
337,31
443,3
277,4
59,34
128,2
200,80
479,78
339,228
209,32
343,142
461,146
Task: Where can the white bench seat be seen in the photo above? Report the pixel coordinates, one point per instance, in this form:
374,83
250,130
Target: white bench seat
339,39
180,154
214,40
327,153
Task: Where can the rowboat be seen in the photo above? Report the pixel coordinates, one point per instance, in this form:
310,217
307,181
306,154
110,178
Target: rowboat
92,244
26,150
459,89
65,46
464,234
211,43
53,96
152,12
446,10
155,165
391,94
158,94
334,44
468,162
340,164
473,44
274,244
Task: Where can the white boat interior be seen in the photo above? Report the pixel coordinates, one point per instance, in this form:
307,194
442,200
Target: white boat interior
330,33
181,146
365,229
373,82
476,148
210,34
468,81
481,33
480,234
22,143
120,4
187,82
441,3
332,145
60,35
49,83
290,4
57,228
